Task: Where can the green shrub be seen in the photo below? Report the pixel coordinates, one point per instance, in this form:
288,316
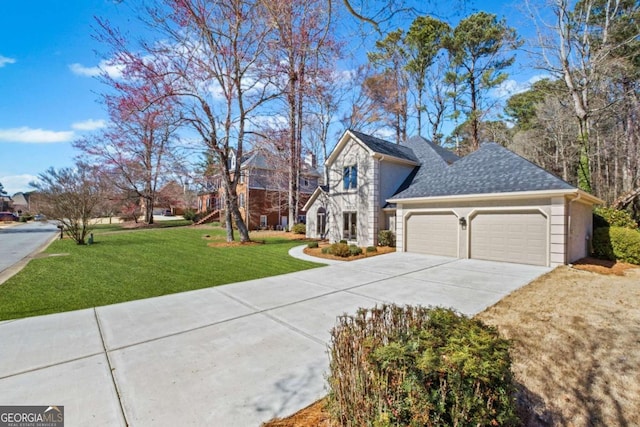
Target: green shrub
189,215
371,249
343,241
326,250
386,238
610,217
417,366
340,249
299,228
617,244
312,245
355,250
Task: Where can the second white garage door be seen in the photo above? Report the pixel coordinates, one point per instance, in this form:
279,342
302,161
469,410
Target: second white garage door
519,237
433,234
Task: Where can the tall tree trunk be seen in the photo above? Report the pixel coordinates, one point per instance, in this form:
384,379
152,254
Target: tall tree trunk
584,165
294,160
228,218
475,133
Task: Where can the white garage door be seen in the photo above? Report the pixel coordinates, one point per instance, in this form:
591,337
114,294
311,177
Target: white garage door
433,234
519,237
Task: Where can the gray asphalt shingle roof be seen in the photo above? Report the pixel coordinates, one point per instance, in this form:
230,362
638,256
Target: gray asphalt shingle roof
385,147
491,169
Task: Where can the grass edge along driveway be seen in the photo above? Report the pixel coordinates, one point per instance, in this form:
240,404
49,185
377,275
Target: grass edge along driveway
129,265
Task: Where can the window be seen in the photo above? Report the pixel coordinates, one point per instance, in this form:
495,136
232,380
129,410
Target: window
350,225
263,221
241,178
350,177
302,219
321,223
241,200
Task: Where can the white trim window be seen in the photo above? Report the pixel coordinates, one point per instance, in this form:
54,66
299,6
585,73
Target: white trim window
349,225
350,177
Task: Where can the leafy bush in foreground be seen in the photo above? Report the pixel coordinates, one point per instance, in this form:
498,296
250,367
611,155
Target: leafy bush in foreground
617,244
417,366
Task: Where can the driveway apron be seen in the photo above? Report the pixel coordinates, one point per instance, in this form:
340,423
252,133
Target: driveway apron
234,355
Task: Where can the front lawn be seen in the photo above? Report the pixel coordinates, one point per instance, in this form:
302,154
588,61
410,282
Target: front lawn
127,265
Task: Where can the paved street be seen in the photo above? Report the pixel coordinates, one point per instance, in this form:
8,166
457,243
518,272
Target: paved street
20,240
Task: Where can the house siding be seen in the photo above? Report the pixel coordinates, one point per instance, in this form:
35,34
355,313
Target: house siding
390,176
360,200
580,230
558,231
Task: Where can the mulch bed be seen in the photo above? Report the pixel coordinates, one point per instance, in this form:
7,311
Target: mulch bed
317,252
602,266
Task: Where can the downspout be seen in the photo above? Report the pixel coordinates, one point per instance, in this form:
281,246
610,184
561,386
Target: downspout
567,241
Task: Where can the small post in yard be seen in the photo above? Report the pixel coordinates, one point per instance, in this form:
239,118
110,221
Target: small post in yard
91,238
61,227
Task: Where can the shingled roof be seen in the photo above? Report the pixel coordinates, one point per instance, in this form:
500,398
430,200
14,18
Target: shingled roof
385,147
491,169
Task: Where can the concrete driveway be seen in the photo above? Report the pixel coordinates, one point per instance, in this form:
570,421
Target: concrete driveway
234,355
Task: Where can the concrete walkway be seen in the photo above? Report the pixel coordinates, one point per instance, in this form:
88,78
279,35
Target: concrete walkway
233,355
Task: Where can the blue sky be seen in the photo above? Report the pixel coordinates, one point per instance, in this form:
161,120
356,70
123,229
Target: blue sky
48,89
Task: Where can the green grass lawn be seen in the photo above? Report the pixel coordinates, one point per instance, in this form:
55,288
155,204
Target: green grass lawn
127,265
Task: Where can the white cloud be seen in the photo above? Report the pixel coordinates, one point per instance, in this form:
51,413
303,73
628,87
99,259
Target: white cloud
89,125
273,122
35,136
511,87
114,71
81,70
385,133
4,61
16,183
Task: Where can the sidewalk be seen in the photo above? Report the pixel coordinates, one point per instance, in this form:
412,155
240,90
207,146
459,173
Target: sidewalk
298,252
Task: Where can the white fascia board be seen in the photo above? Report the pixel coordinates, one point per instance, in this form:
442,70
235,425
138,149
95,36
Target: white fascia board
339,146
313,198
393,159
576,193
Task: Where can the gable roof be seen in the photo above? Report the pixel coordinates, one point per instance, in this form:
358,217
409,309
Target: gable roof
375,146
386,148
490,169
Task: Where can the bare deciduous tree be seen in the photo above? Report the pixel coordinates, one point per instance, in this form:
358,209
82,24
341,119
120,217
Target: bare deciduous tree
70,196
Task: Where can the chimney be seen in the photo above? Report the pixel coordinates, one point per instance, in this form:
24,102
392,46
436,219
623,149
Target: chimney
310,159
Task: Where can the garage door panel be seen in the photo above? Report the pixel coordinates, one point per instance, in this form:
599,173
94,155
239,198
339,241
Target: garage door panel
433,234
519,237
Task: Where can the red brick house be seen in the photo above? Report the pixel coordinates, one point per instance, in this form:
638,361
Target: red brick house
262,191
